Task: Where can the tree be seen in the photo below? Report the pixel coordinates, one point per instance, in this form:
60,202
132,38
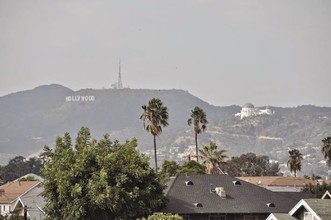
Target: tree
199,120
326,150
213,158
19,166
192,167
99,180
168,169
294,161
164,216
156,115
318,189
251,165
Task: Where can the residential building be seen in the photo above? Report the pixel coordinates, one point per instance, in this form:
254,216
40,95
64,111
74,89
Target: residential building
222,197
10,193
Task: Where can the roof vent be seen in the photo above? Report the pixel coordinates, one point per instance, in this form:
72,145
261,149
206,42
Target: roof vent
271,205
198,204
258,182
189,183
236,183
221,192
2,191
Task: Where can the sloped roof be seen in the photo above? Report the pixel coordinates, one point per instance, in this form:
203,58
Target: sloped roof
35,202
281,216
13,190
244,198
297,196
322,207
265,181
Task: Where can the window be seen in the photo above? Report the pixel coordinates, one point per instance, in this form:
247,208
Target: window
254,217
217,217
308,216
185,217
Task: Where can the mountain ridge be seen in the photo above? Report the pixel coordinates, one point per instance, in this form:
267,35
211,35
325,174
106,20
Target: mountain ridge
33,118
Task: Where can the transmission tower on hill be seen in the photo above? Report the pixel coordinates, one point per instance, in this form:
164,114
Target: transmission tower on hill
119,82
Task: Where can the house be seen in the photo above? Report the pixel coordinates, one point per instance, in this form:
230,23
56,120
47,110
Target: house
279,183
34,201
10,193
307,209
222,197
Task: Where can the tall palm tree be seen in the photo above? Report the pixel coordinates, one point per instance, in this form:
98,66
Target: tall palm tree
294,161
156,115
326,150
213,157
199,119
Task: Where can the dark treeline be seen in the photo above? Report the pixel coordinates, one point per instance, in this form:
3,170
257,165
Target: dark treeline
18,167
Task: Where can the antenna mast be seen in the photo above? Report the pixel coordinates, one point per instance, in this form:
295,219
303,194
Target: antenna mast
119,83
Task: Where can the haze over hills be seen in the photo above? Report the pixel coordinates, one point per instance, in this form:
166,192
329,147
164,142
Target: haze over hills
34,118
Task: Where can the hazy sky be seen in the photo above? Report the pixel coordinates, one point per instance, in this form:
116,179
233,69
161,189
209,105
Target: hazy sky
266,52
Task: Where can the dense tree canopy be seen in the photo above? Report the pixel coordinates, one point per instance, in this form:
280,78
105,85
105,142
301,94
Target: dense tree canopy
99,180
19,166
251,165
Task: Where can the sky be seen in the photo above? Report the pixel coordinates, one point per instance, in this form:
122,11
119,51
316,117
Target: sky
267,52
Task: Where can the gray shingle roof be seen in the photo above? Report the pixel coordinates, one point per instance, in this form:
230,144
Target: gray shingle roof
244,198
322,207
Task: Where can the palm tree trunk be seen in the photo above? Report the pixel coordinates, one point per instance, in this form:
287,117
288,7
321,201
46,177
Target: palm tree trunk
196,147
155,157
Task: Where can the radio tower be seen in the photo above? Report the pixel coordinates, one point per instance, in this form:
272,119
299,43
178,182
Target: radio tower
119,82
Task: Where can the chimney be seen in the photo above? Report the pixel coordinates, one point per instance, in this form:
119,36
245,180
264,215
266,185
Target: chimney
221,192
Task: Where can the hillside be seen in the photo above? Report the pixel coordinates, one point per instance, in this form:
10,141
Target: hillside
34,118
31,119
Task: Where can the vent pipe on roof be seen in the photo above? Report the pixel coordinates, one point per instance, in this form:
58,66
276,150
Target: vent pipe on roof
211,188
2,191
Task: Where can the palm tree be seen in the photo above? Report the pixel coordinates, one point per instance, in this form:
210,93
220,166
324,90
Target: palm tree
198,116
294,161
326,150
156,115
213,158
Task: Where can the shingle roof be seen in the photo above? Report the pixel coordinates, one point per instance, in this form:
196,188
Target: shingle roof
35,202
244,198
283,216
322,207
265,181
13,190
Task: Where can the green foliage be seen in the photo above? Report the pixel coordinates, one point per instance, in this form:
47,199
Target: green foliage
156,115
99,180
18,167
318,189
326,150
199,120
294,161
213,158
192,167
168,169
164,216
313,177
251,165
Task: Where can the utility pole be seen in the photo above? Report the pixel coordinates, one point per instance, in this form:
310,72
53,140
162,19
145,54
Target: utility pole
25,213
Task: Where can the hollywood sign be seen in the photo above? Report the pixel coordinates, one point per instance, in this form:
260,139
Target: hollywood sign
80,98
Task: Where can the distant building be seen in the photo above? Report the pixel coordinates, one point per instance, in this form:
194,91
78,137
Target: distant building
249,110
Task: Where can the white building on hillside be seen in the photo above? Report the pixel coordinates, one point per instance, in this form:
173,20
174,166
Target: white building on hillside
249,110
